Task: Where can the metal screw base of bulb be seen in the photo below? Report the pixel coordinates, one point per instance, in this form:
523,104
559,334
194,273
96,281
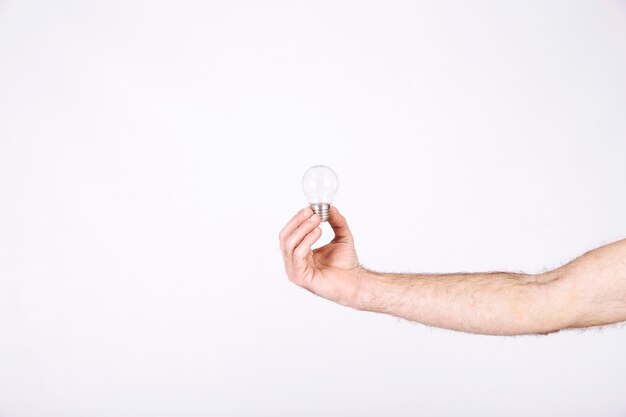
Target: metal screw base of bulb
321,209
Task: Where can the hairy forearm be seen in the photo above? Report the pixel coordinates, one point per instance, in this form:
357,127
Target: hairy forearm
588,291
487,303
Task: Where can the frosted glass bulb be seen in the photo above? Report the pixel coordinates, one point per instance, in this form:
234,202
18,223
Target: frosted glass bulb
320,185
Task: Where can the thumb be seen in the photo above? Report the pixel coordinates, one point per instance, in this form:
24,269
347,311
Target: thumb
340,226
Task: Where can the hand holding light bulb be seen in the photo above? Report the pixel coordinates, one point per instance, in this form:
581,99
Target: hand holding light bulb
331,271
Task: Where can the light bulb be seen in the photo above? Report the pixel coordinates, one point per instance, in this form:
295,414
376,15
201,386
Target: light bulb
320,185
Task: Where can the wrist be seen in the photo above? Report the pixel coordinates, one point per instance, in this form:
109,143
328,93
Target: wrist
368,287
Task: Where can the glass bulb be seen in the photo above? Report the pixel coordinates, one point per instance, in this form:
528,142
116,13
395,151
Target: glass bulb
320,185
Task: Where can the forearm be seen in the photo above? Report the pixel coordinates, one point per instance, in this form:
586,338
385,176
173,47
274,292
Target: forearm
487,303
588,291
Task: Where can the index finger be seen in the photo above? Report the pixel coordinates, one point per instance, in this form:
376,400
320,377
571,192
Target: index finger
295,221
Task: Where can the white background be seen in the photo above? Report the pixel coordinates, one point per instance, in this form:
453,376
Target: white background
151,151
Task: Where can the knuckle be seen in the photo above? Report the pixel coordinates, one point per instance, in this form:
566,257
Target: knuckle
288,249
301,251
290,245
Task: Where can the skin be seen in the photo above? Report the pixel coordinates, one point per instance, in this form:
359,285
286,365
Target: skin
589,291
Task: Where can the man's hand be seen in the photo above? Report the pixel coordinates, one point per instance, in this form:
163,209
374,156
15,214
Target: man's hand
331,271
